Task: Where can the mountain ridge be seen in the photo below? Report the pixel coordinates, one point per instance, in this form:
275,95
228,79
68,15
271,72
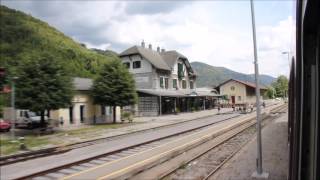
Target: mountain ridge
212,76
24,38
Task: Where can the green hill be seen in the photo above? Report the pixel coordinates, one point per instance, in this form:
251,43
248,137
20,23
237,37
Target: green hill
24,38
212,76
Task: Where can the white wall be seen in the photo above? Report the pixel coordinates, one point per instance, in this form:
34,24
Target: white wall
240,90
146,66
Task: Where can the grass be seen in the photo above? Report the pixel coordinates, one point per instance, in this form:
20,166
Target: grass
91,129
183,166
57,139
8,147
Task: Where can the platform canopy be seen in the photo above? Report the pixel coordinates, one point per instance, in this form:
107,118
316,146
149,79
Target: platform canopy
178,93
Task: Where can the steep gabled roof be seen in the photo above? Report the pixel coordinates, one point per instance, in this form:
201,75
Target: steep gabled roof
152,56
161,60
249,84
170,57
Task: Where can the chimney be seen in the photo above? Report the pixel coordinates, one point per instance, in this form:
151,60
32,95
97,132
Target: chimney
163,50
143,44
150,46
158,49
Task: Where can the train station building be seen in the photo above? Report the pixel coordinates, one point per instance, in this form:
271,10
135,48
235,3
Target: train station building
165,82
239,92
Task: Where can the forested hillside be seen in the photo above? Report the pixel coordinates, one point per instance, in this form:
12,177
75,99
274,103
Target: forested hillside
212,76
24,38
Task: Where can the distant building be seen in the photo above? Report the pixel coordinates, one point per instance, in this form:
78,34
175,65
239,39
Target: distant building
83,111
240,92
165,81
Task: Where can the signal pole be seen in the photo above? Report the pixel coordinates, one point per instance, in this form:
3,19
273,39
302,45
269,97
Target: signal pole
13,109
259,171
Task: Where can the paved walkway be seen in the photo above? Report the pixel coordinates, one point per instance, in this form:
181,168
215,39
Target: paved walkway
140,123
144,123
275,155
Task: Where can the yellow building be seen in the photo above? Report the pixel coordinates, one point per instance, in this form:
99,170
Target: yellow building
240,92
83,111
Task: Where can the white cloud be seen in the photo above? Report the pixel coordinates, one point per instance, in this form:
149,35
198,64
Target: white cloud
217,33
275,40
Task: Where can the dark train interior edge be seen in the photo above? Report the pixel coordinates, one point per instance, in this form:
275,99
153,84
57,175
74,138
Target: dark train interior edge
304,94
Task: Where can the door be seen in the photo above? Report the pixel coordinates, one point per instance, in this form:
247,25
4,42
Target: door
233,99
71,114
82,113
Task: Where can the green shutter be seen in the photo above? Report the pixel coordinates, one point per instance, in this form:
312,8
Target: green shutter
180,71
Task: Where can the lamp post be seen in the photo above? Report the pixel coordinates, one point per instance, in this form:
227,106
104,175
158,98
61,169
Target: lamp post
259,171
13,111
288,53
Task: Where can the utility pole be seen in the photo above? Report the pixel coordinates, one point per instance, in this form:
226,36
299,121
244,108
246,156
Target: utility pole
259,171
13,109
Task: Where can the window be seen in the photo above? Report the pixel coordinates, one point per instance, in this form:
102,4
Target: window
81,113
161,82
174,83
103,110
239,98
127,65
184,84
180,71
136,64
166,83
232,88
191,85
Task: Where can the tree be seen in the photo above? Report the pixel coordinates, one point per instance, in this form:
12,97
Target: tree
114,86
43,85
281,86
270,93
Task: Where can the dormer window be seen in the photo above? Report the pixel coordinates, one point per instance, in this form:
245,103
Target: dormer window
136,64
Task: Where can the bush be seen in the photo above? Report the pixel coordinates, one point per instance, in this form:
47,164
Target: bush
126,116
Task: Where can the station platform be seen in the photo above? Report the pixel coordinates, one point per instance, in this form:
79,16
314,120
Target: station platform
275,152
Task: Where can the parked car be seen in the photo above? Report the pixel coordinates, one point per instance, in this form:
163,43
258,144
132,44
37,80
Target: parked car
28,119
4,126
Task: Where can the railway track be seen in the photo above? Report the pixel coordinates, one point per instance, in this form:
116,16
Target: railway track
213,161
67,169
10,159
75,167
214,169
167,169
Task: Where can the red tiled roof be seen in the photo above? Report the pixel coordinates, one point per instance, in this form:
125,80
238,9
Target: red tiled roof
249,84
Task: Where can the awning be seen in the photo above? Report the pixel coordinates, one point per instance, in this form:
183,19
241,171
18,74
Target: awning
177,93
169,93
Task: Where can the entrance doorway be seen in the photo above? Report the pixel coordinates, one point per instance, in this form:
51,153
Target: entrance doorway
233,99
82,113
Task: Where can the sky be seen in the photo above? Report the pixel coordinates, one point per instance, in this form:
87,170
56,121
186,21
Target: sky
217,32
